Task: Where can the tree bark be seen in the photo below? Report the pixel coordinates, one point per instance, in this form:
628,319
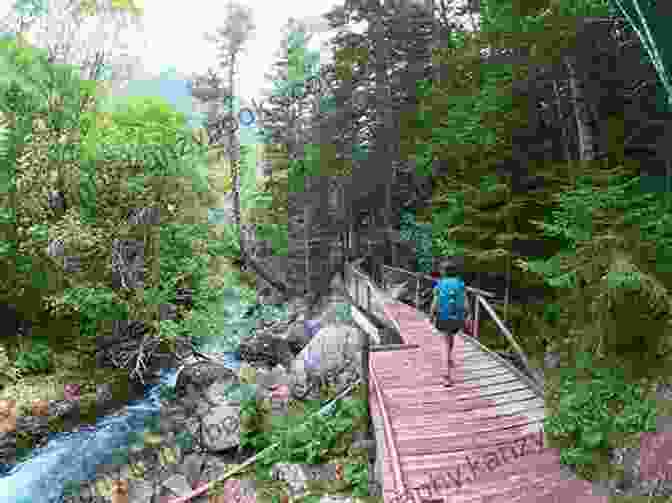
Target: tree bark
246,258
565,135
584,124
383,112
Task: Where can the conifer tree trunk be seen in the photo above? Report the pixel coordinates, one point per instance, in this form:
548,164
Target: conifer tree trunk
565,135
383,111
584,124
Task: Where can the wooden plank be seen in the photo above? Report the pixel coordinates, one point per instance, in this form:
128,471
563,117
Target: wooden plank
493,389
389,377
435,445
460,416
506,482
463,417
470,358
393,347
477,373
480,365
492,437
460,393
489,408
423,408
496,380
450,460
476,476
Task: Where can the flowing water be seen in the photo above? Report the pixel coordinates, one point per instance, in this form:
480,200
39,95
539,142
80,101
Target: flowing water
74,456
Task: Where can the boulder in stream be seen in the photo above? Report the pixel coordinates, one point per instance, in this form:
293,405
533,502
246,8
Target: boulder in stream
266,350
196,378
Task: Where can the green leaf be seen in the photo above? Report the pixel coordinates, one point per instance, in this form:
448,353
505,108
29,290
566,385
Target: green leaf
593,439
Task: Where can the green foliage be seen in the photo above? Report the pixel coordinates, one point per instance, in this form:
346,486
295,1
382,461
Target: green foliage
167,393
138,154
143,120
30,8
448,215
97,303
357,475
306,438
595,403
343,312
276,235
37,359
645,20
421,236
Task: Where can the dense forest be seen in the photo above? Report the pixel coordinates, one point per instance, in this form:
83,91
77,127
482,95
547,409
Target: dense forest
534,145
534,140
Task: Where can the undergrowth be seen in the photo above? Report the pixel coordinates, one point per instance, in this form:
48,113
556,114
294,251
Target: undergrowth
305,436
594,408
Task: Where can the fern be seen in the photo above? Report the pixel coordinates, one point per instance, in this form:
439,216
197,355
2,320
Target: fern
4,145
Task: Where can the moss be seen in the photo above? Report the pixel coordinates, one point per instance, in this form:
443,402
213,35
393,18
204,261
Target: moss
47,387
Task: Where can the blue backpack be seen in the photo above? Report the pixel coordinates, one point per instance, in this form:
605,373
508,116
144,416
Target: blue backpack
451,299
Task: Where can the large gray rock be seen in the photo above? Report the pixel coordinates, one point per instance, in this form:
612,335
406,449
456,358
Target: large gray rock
265,349
37,427
221,428
333,356
298,336
178,485
140,491
551,360
191,468
196,378
297,475
8,447
144,216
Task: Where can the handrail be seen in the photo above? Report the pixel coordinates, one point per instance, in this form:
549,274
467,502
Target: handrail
480,300
531,380
399,482
352,272
470,289
506,333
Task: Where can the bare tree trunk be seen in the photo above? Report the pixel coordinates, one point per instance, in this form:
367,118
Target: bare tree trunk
383,111
584,124
565,133
510,230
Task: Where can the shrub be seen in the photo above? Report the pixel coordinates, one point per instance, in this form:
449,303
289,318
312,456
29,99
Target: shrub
37,359
596,403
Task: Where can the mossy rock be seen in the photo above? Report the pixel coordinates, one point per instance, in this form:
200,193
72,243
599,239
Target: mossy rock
247,374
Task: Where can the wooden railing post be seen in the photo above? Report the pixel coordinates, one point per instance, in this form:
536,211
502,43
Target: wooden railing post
417,294
477,310
357,294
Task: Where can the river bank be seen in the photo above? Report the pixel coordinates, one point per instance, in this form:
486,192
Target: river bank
162,461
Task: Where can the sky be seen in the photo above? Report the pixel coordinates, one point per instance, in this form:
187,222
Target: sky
173,35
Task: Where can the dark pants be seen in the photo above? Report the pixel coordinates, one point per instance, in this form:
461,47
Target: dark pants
449,327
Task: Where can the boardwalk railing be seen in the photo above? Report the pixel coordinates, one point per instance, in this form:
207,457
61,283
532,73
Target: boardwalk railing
366,294
421,282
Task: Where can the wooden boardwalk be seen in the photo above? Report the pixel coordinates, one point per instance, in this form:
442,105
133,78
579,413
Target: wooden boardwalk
479,441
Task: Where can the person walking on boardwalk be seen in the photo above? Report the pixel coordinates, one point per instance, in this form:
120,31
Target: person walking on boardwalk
450,309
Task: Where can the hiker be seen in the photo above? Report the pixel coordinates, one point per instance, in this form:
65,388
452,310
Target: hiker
450,309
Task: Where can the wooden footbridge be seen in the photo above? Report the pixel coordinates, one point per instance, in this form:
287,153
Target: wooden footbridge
481,440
